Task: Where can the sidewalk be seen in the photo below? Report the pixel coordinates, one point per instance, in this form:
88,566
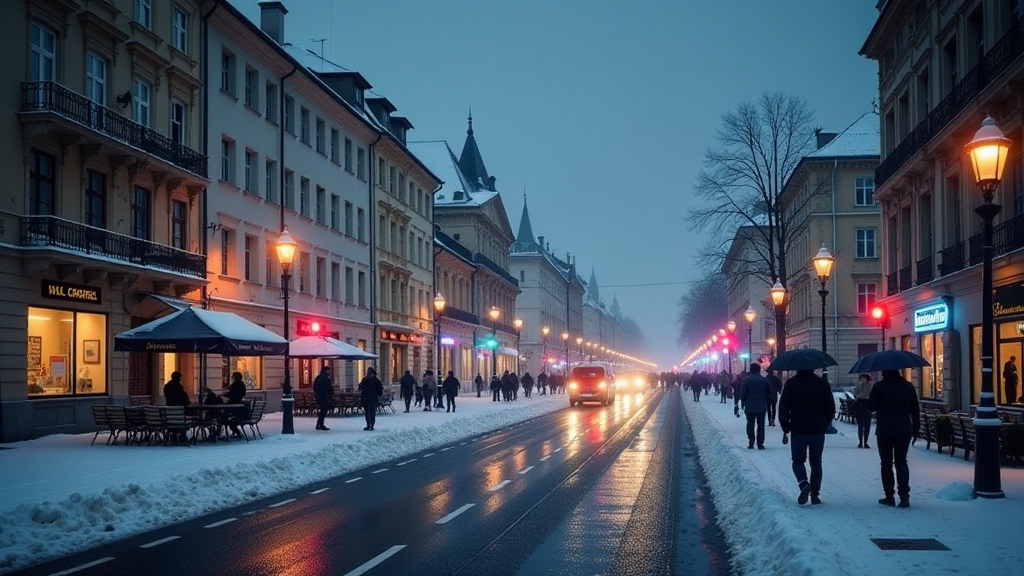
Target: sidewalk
59,495
755,493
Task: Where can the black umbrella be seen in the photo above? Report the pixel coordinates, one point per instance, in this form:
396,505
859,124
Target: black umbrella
802,359
888,360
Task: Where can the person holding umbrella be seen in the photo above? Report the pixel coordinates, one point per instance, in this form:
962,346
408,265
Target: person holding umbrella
894,400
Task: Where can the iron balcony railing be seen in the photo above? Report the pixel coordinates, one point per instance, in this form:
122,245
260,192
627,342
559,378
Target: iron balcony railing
998,60
906,280
925,270
461,315
1008,235
892,284
60,233
952,259
53,97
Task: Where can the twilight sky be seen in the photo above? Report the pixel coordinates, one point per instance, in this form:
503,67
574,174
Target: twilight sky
600,110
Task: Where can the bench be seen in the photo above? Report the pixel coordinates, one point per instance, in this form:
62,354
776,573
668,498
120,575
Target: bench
965,439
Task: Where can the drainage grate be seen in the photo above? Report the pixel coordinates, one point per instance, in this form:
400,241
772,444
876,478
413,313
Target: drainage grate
909,544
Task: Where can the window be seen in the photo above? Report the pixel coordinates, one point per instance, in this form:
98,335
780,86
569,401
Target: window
401,187
336,281
270,184
348,218
288,200
932,349
866,243
178,225
349,285
250,171
361,164
141,213
360,226
348,155
362,288
866,294
321,271
289,114
392,181
412,194
225,250
41,184
227,72
303,270
381,173
304,196
335,209
180,30
321,135
321,205
140,101
251,368
67,352
179,122
248,256
864,191
96,86
335,146
227,160
268,264
95,199
144,13
381,232
270,102
43,58
304,125
252,79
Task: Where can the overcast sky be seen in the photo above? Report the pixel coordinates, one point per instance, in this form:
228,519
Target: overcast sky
600,110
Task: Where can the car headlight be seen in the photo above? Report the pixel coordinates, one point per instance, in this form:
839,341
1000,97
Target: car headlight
573,385
602,384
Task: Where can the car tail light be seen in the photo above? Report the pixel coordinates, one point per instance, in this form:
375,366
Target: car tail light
602,384
573,385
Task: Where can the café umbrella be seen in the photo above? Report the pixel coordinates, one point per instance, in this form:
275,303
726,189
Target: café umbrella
888,360
326,347
802,359
194,330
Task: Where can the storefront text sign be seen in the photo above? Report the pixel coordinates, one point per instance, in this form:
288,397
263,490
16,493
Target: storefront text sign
71,292
393,336
931,318
1008,300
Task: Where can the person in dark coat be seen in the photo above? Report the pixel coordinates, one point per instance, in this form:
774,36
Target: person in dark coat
861,410
894,402
174,392
428,388
495,388
479,383
527,381
370,391
542,382
323,393
450,387
754,394
234,395
407,388
806,410
773,399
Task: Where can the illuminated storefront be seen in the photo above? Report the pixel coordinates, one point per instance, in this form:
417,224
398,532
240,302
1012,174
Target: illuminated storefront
930,324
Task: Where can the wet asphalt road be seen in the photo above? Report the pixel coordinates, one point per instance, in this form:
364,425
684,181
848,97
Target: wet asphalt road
613,490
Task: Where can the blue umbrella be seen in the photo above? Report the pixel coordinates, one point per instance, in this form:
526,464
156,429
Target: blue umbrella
802,359
888,360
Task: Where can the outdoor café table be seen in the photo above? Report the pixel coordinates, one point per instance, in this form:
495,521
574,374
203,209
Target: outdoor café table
213,417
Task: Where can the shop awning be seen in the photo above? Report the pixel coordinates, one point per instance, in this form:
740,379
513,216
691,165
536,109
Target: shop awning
505,351
202,331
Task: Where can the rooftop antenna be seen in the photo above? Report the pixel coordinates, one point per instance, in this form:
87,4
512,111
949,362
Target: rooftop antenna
321,41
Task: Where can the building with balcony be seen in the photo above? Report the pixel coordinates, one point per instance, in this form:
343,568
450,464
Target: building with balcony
104,199
829,200
942,67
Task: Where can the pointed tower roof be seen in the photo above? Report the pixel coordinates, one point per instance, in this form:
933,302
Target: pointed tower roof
615,306
592,291
472,164
525,242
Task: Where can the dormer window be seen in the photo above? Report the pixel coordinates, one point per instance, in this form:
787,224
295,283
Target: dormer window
359,96
458,195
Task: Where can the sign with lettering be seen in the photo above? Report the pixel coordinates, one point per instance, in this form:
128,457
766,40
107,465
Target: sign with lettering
71,292
931,318
1008,300
402,337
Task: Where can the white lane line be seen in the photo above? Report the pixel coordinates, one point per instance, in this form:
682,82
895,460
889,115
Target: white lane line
457,511
446,448
281,503
381,470
499,485
351,480
545,458
373,562
559,449
462,443
159,542
320,491
221,523
428,454
406,462
83,567
525,470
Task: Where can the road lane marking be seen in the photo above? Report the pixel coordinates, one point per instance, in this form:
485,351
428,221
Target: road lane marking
221,523
462,443
381,470
446,448
428,454
545,458
406,462
320,491
281,503
559,449
457,511
83,566
373,562
499,485
159,542
351,480
525,470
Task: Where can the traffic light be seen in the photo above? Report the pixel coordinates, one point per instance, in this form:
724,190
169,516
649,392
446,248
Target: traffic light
881,316
492,342
309,328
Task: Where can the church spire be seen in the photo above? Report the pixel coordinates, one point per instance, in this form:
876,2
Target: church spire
525,242
472,164
592,287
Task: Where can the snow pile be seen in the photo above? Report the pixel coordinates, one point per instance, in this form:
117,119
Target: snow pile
956,492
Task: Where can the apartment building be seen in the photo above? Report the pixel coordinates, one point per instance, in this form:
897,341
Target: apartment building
942,67
748,291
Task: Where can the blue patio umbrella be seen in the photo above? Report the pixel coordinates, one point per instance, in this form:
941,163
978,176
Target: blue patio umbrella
888,360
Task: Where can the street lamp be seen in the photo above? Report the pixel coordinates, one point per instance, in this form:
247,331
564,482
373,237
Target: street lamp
771,348
749,316
823,262
565,341
988,151
439,304
285,255
579,342
518,323
544,331
494,313
731,325
780,298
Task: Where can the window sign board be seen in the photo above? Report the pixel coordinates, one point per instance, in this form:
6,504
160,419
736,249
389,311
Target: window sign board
931,318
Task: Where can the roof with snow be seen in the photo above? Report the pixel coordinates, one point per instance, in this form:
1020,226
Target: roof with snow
860,139
457,190
525,242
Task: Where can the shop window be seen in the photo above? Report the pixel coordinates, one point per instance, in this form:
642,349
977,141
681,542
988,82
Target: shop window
67,352
1009,352
931,376
251,368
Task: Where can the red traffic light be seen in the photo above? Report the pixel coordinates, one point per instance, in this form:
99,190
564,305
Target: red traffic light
881,315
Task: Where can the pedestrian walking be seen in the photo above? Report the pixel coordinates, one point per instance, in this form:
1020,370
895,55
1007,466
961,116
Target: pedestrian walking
370,391
527,382
450,386
806,410
495,388
542,382
773,399
722,383
428,388
407,387
754,393
479,383
894,400
323,394
861,410
439,397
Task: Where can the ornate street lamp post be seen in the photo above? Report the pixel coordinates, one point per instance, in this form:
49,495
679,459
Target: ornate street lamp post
579,342
771,348
780,298
988,151
439,304
749,316
494,313
823,262
565,341
544,331
518,323
285,255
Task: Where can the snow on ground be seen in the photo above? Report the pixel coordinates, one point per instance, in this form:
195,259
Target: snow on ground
59,495
755,493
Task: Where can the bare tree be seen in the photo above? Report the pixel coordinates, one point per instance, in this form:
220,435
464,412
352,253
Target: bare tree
703,309
744,177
